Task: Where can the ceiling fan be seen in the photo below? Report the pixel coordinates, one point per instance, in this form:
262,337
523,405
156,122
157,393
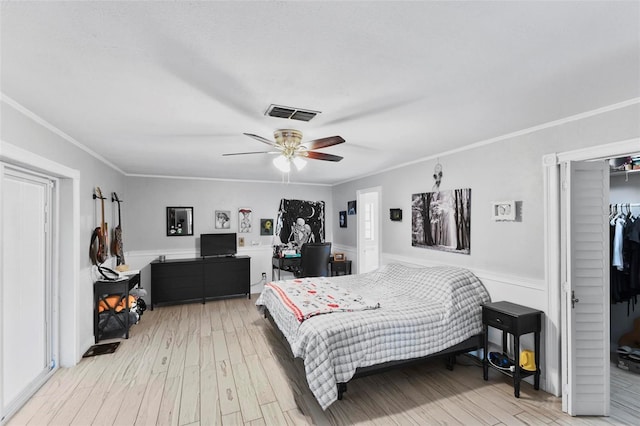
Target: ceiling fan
288,145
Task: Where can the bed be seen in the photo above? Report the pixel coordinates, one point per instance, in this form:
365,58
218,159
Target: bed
402,314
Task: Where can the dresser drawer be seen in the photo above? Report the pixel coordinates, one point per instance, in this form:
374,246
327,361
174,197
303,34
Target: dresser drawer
498,320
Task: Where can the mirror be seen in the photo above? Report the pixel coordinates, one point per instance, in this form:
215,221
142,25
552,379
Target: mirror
179,221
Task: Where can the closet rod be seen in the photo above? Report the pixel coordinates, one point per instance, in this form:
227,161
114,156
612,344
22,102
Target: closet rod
625,204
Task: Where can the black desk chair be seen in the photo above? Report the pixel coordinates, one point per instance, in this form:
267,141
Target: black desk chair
314,259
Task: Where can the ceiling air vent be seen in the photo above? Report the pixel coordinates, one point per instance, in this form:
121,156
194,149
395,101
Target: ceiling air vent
291,113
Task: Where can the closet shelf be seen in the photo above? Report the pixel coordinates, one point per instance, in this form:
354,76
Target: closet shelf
623,172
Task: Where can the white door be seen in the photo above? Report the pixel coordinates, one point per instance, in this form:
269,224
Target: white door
368,211
585,304
25,286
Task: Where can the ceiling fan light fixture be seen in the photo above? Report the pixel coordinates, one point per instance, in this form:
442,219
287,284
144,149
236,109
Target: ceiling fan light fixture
282,163
299,162
289,149
288,138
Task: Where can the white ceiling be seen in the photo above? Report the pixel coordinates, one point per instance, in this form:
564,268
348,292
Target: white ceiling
165,88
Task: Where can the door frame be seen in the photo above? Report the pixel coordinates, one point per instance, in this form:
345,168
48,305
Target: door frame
7,170
553,239
66,251
360,220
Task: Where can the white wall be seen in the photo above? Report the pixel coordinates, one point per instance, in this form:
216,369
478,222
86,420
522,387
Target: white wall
506,170
28,133
146,200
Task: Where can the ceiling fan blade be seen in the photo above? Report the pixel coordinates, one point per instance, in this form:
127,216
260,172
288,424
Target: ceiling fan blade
322,156
253,152
261,139
324,142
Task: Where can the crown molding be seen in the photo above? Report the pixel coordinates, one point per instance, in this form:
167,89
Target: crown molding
53,129
140,175
550,124
36,118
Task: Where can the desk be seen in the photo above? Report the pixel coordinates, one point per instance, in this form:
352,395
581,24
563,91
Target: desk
284,263
294,263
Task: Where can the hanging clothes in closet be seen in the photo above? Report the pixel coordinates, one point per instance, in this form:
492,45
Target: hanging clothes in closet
625,255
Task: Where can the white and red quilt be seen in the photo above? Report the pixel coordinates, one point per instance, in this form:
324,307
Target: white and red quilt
306,297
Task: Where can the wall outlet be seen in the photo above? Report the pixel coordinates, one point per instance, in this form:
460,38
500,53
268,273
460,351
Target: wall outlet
264,276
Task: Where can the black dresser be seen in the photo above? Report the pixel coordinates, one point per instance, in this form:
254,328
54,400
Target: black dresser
199,279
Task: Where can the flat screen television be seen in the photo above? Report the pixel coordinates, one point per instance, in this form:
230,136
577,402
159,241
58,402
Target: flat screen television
218,244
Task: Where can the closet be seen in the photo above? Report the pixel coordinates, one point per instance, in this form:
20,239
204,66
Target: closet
624,217
624,195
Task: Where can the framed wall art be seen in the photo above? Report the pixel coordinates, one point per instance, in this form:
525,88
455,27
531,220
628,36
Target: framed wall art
503,210
179,221
351,207
222,219
442,220
395,215
266,226
342,217
244,220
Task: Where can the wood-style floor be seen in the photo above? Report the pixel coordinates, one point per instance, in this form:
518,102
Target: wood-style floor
223,363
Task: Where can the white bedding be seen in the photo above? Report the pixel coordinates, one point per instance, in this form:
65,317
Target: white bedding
422,311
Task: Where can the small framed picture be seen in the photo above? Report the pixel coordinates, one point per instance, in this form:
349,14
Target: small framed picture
351,207
503,211
339,257
343,218
266,226
223,219
395,214
244,220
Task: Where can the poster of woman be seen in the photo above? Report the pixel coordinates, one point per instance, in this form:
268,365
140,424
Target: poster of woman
223,219
244,220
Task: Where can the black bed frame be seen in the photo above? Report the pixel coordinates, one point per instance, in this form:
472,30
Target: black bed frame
449,354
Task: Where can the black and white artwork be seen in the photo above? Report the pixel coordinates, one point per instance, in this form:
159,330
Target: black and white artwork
351,207
223,219
442,220
342,217
300,222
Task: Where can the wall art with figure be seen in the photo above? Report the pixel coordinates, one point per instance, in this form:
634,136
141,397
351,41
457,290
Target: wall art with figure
442,220
244,220
300,222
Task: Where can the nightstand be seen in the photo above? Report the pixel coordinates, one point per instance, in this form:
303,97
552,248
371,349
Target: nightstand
340,267
516,320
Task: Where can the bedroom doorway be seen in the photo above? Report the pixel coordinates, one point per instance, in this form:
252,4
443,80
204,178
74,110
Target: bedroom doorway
368,215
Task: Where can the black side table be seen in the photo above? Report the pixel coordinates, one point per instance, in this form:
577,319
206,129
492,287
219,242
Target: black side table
103,289
340,267
515,320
